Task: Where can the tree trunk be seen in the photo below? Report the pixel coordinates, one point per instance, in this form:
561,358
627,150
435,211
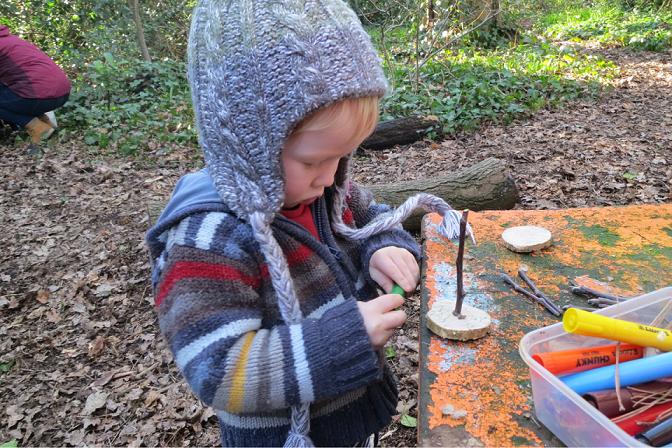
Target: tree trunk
141,34
430,14
485,186
400,131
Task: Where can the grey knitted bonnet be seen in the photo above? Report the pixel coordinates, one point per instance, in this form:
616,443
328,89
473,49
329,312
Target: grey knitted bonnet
257,68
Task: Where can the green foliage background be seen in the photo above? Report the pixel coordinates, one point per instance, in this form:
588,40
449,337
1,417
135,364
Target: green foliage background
452,65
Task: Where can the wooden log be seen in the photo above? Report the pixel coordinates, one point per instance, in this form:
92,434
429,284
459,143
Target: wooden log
485,186
400,131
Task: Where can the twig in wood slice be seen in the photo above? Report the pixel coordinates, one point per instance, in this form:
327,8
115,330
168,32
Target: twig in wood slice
458,264
523,275
583,291
539,300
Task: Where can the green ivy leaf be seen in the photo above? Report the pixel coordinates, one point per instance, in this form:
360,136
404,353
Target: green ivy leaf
408,421
5,367
389,352
629,175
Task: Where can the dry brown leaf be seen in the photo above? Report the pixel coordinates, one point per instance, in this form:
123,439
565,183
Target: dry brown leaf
43,296
152,397
96,347
94,401
53,317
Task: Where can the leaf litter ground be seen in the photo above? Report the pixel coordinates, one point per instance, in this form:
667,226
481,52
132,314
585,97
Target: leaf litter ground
82,361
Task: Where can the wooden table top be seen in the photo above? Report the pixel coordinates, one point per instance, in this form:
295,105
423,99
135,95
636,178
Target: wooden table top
623,250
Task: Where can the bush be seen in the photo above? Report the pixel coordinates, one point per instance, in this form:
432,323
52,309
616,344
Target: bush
125,103
640,30
467,86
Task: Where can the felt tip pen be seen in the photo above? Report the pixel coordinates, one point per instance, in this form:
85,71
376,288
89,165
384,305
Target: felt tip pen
590,324
564,362
632,372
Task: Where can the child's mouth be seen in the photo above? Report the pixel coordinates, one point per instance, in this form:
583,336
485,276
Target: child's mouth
311,200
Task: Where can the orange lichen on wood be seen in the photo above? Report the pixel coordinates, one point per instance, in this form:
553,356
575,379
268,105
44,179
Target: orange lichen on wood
475,377
485,387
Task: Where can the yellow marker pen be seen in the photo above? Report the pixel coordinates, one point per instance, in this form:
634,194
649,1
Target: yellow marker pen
589,324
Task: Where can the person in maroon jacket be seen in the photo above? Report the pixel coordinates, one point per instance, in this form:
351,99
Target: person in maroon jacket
30,85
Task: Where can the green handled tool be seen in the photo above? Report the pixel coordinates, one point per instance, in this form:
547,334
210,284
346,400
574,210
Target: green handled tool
398,290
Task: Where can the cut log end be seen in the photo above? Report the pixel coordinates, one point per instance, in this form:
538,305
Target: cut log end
442,321
527,238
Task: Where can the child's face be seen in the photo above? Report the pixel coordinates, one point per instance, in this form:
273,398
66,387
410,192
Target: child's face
310,159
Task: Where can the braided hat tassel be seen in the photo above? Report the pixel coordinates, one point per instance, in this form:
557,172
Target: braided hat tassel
291,314
449,227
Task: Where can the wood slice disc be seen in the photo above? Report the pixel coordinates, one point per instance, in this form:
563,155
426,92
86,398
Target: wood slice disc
527,238
442,321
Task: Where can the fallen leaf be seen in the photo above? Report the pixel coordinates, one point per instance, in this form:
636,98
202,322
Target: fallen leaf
105,378
53,317
409,421
94,401
96,347
15,415
152,397
70,352
43,297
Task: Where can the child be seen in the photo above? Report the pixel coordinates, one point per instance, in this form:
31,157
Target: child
267,264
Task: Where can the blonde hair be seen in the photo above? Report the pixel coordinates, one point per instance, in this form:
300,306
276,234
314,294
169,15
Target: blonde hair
362,113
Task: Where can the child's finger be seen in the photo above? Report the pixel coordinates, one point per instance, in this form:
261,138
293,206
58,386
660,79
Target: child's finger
388,302
407,273
394,320
386,283
413,267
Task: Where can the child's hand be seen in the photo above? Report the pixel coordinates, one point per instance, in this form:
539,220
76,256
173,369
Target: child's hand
381,319
391,265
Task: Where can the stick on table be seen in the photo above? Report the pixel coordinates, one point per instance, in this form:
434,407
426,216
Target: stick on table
458,264
539,300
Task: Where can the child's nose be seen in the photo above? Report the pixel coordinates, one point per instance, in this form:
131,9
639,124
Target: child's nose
325,178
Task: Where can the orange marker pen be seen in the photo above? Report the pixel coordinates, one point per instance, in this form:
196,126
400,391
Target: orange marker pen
580,359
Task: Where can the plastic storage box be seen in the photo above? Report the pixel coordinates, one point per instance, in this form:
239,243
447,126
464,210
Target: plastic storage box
572,419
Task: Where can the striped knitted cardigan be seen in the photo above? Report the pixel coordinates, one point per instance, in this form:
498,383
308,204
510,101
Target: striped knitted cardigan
219,315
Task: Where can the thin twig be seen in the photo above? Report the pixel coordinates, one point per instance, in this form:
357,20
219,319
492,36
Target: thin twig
539,300
602,303
459,261
590,310
538,293
583,291
660,318
618,378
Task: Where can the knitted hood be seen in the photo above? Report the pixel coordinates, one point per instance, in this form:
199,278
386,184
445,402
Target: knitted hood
257,68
